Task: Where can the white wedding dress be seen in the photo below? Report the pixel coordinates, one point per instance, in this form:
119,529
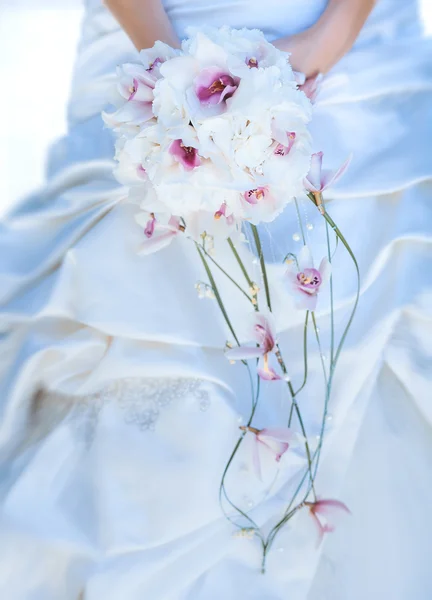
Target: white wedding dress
118,410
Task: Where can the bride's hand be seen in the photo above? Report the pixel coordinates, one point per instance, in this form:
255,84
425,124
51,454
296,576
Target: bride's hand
319,48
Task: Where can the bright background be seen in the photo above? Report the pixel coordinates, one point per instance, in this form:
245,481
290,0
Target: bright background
38,40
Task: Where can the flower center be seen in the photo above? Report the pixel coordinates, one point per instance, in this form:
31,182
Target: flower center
310,278
190,150
132,89
256,193
154,64
217,86
252,63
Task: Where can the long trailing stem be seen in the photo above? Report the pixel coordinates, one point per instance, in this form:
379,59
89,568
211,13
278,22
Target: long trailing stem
313,459
233,281
333,365
305,361
216,293
262,264
290,511
298,413
279,354
240,262
255,395
329,255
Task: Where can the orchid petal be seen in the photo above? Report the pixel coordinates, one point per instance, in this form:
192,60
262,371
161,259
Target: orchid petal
313,179
306,301
276,447
268,374
264,331
304,259
282,434
328,178
133,112
156,243
320,530
244,353
330,508
325,270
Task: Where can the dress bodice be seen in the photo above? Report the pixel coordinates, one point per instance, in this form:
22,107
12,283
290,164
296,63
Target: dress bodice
278,18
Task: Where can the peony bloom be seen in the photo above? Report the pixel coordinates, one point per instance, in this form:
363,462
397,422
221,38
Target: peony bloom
277,440
318,179
159,234
214,86
185,155
264,335
305,280
330,510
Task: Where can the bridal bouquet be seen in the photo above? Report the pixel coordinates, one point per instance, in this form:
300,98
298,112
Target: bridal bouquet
212,140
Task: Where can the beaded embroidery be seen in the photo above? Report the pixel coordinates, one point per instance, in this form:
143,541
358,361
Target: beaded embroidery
141,400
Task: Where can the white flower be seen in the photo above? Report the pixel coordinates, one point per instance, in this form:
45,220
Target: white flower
215,133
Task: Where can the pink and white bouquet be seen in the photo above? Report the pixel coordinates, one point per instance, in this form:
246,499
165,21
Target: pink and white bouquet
211,136
212,139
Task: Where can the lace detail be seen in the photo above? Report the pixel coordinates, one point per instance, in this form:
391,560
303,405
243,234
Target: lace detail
141,401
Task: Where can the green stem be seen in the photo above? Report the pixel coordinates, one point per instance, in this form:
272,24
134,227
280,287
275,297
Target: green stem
227,275
240,262
291,511
216,293
262,264
331,296
305,361
319,347
333,225
300,222
222,489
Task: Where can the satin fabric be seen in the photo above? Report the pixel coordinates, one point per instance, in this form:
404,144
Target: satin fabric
130,513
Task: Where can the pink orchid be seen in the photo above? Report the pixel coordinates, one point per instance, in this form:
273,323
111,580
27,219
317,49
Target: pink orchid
136,86
274,439
153,58
215,86
256,195
155,64
252,63
263,333
158,234
185,155
284,149
330,510
305,280
311,86
318,179
222,213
